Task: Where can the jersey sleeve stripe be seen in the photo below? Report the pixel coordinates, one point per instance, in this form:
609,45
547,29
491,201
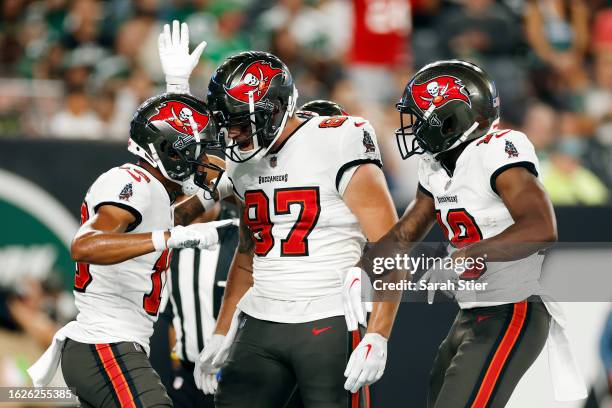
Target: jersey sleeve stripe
525,164
424,190
127,208
353,163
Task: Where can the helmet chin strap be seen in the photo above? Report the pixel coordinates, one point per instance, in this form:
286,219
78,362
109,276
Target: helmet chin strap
462,139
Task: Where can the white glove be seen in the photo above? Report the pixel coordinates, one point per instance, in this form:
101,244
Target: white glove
176,61
204,373
223,352
354,308
201,235
437,275
367,362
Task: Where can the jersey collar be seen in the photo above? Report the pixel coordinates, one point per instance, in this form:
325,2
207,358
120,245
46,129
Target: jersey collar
275,151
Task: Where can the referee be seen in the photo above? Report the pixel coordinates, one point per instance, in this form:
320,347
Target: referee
196,284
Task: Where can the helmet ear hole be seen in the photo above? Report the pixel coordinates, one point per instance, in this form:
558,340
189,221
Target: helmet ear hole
163,146
173,154
448,126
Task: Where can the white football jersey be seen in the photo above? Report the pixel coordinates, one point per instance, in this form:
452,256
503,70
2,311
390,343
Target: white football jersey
120,302
469,209
305,236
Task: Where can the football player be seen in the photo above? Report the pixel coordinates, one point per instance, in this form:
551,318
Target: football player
481,185
309,202
320,107
122,251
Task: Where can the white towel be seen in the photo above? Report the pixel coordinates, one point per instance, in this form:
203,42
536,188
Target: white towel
43,370
568,384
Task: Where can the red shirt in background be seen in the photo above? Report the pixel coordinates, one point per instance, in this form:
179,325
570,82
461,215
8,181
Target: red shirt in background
602,29
381,30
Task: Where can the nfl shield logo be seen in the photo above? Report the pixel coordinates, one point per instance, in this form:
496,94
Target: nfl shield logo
273,161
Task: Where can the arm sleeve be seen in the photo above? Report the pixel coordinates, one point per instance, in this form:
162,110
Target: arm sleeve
358,146
506,150
119,187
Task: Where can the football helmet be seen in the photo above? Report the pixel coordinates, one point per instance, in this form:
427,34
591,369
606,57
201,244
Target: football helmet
445,104
320,107
172,132
253,90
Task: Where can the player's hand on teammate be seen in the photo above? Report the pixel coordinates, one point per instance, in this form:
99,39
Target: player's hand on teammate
177,63
354,308
367,362
201,235
205,373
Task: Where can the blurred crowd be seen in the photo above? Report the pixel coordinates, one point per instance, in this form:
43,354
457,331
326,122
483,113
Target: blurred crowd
79,68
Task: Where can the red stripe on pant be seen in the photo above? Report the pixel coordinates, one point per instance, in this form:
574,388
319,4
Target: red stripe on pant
120,385
366,388
501,355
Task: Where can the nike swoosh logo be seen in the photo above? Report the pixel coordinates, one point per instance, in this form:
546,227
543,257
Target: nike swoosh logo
316,332
369,346
481,318
360,124
353,282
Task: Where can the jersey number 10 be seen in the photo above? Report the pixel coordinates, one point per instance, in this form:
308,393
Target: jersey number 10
462,225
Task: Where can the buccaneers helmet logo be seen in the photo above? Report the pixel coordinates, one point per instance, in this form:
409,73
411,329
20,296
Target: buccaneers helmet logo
438,91
180,116
184,121
256,79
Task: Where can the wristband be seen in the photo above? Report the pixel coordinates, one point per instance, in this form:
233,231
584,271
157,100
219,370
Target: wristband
177,85
159,240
